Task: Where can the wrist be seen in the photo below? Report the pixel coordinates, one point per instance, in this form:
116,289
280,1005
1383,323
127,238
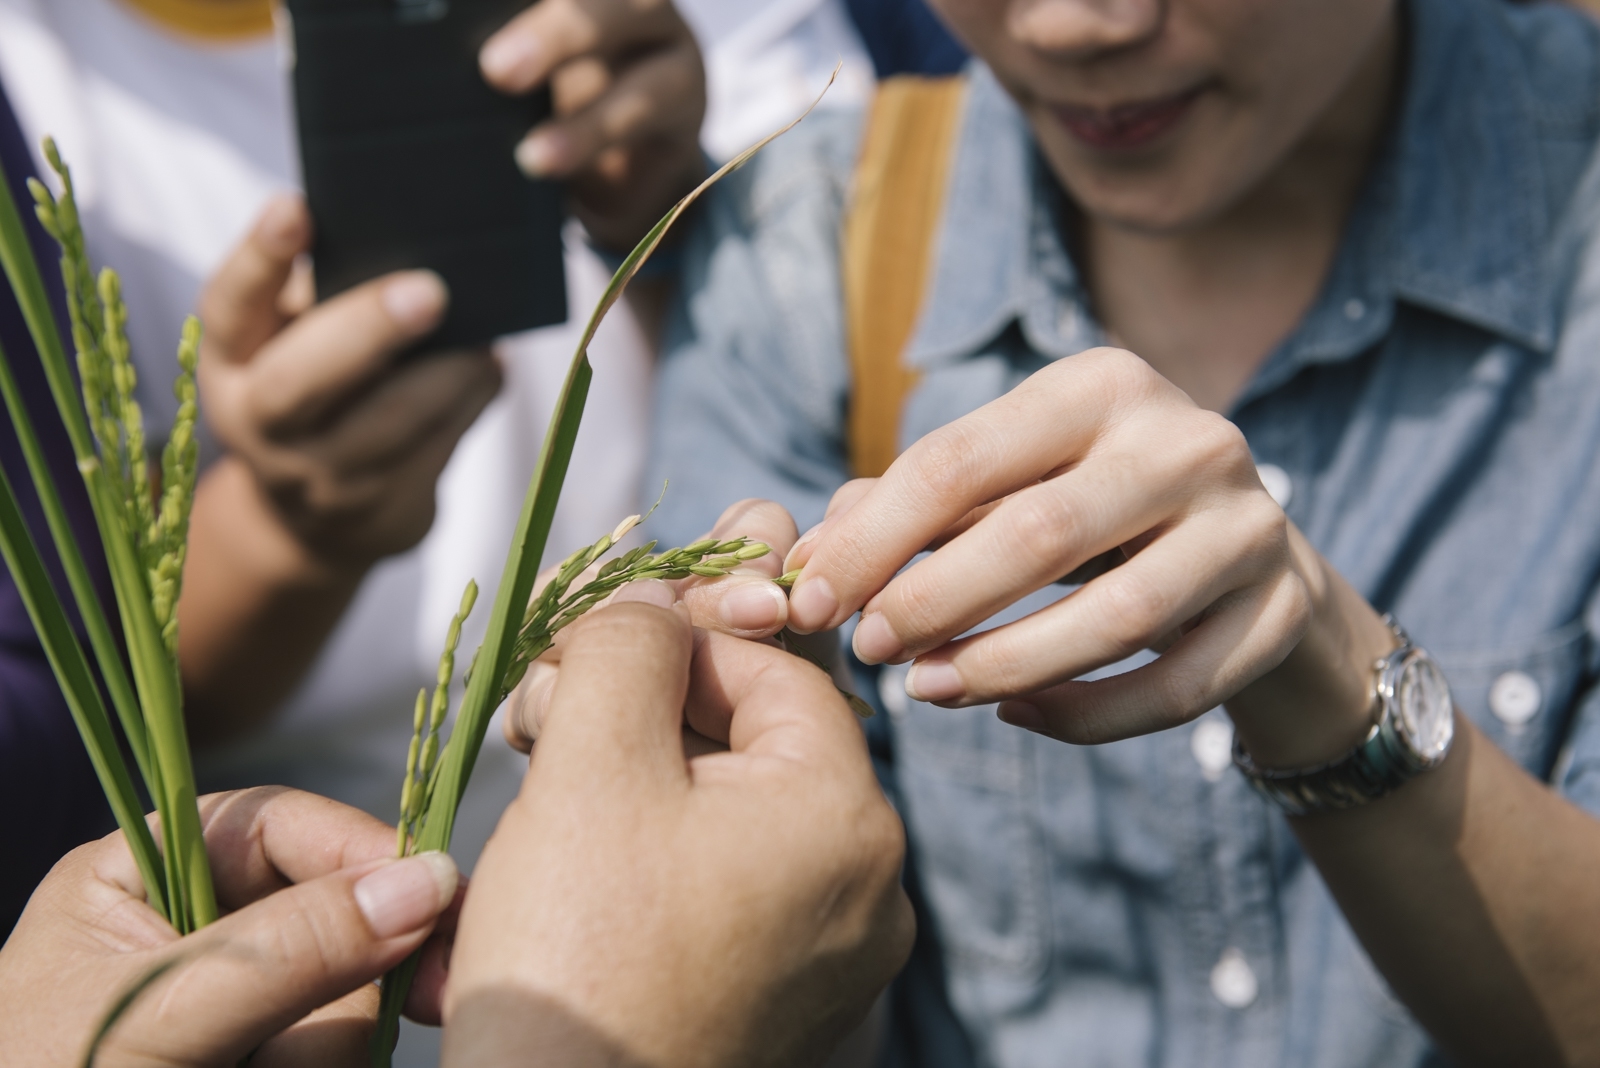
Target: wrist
1318,704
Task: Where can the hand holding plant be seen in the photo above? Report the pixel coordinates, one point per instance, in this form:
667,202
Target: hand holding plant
316,910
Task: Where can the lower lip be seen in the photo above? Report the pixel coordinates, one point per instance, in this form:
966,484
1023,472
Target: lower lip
1126,128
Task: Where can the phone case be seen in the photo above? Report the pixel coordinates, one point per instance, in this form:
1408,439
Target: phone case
407,159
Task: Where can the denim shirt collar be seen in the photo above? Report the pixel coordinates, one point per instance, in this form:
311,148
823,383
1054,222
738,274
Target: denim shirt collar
1451,218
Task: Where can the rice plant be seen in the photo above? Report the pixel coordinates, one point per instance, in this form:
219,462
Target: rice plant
143,535
143,522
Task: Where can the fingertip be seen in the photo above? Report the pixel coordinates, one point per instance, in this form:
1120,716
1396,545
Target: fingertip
406,895
800,552
284,226
415,300
1019,714
751,607
510,60
812,605
875,640
544,153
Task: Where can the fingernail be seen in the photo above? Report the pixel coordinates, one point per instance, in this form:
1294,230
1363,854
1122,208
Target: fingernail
281,223
757,605
505,56
934,680
813,605
415,299
794,559
407,894
648,591
875,640
1021,714
542,153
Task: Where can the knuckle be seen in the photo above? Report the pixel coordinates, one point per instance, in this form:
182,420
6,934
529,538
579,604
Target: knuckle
946,460
1042,526
914,609
1134,608
1216,444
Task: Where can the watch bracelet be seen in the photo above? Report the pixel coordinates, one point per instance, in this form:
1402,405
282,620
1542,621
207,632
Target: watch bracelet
1377,766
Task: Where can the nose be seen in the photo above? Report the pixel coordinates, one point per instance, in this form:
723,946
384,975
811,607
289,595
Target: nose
1082,29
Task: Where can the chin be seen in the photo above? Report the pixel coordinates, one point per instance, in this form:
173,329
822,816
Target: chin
1155,206
1163,192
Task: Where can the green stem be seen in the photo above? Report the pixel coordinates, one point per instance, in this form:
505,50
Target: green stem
77,686
16,256
170,775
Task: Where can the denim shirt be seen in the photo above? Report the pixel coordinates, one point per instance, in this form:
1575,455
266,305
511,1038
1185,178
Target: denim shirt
1432,425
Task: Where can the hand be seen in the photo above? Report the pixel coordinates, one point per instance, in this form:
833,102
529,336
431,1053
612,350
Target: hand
345,442
628,95
1096,463
321,912
745,603
634,908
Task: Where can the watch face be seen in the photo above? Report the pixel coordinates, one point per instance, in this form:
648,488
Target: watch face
1425,714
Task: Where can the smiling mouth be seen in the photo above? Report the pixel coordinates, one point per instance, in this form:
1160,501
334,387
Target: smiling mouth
1126,126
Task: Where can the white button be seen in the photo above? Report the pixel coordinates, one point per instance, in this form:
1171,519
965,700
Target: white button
1279,486
892,689
1211,742
1514,698
1232,981
1354,309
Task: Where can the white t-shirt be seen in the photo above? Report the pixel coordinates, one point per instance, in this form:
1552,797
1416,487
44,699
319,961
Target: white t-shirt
175,143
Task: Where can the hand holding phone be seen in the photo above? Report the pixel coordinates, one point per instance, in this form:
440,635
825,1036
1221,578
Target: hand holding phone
628,96
411,158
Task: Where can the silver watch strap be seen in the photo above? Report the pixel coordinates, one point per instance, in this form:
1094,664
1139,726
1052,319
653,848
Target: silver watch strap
1381,762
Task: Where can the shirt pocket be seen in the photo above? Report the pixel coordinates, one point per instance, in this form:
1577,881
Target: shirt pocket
967,784
1519,694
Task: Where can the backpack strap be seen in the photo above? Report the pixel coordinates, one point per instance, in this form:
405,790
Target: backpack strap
889,240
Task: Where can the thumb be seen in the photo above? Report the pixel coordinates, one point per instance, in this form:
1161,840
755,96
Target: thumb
239,304
616,713
255,972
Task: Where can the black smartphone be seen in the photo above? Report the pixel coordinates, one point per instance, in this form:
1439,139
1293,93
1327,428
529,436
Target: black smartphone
406,155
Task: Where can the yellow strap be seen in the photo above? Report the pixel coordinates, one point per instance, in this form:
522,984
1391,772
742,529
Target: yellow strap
209,20
889,240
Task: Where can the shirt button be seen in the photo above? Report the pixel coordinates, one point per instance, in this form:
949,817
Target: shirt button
1278,484
1211,742
1232,981
1354,309
1514,698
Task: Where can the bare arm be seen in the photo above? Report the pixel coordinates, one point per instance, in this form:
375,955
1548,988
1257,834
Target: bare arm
1471,887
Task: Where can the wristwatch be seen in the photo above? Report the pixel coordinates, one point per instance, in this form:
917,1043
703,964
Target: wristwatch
1414,725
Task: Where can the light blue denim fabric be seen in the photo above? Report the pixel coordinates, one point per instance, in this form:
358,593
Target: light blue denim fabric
1438,416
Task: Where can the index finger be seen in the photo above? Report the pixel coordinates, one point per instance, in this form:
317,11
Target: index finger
1042,425
265,839
239,305
523,53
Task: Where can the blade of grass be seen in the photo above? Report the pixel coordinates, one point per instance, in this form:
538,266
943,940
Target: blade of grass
77,682
533,527
484,689
170,776
16,257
